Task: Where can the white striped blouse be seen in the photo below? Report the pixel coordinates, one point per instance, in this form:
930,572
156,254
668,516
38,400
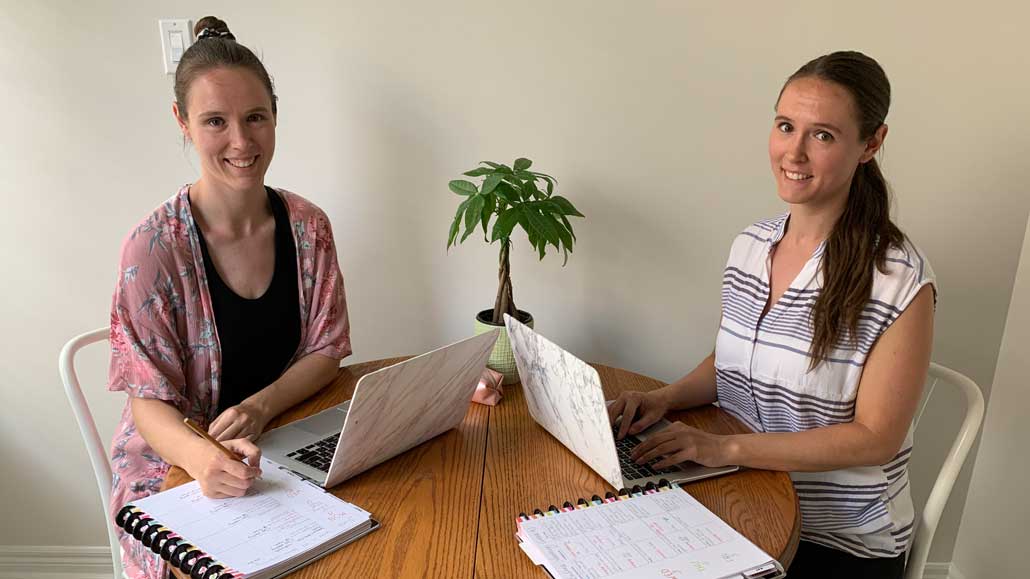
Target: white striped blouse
763,379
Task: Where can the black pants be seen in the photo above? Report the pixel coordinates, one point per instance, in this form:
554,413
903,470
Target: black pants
815,561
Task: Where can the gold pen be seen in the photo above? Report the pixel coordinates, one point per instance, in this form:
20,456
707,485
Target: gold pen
203,434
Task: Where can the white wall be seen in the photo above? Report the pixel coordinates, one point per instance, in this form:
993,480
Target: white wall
653,115
991,540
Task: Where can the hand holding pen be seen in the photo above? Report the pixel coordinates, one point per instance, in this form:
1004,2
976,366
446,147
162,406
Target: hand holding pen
219,468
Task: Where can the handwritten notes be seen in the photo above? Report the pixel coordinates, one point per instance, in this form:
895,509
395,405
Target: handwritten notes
665,535
279,519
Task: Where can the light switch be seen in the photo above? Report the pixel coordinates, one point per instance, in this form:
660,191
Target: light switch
176,37
177,48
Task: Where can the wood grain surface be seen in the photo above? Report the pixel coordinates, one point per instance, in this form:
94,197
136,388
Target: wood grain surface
448,507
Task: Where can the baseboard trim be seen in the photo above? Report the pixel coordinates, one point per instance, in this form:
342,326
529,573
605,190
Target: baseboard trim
55,562
942,571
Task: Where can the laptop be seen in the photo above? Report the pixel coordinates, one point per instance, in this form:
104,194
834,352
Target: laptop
392,410
565,397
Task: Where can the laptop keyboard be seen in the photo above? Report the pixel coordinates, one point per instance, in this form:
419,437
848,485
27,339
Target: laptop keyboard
318,454
630,469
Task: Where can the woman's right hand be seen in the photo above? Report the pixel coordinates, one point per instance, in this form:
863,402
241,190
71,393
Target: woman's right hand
222,477
638,411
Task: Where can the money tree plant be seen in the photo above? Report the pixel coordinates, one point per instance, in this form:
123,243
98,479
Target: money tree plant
509,197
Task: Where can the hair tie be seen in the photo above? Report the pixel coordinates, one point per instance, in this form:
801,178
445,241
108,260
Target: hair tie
213,33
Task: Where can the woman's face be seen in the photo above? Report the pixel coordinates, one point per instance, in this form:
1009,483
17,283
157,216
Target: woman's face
815,146
232,127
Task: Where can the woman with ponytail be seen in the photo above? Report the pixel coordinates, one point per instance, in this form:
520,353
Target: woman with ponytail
826,332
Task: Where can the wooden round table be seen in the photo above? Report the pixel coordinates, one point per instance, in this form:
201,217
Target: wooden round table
448,506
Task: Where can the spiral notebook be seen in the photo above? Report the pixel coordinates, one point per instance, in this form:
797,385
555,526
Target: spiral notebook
658,531
281,524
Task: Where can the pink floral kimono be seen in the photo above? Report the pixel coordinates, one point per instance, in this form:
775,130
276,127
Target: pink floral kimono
164,344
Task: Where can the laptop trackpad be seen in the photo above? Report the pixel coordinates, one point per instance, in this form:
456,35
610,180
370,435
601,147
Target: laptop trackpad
326,422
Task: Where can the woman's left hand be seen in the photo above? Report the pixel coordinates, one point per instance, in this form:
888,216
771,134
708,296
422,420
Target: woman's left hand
679,443
240,421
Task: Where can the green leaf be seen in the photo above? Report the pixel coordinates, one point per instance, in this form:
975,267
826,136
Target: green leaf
521,164
506,193
462,187
488,210
498,167
566,239
545,206
525,193
557,226
478,172
551,181
518,193
453,233
568,226
490,183
543,224
566,206
533,191
472,215
529,229
505,222
457,222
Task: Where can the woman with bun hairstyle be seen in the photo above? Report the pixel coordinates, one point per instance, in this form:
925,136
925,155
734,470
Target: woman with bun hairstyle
826,332
229,306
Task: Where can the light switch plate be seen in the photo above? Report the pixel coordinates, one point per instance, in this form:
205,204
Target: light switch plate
176,37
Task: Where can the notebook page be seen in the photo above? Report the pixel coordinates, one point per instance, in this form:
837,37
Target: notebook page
279,517
662,535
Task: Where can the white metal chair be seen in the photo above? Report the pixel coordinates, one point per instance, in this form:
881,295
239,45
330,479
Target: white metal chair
97,452
926,522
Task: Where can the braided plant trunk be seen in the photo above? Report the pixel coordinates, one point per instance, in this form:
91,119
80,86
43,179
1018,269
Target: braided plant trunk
505,303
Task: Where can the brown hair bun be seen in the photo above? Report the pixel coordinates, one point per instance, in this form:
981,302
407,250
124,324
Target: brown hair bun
212,27
216,47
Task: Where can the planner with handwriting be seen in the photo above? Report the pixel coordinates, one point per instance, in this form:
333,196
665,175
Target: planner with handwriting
281,524
660,532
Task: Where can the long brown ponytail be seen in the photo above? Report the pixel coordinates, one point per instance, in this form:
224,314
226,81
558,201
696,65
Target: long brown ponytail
864,232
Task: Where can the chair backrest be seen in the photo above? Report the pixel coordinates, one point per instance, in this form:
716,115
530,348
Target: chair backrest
94,446
926,523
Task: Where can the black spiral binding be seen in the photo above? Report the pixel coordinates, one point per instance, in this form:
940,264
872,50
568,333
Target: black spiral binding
635,490
172,548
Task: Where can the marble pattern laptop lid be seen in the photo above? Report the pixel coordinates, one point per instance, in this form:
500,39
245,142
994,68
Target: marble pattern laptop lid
401,406
564,395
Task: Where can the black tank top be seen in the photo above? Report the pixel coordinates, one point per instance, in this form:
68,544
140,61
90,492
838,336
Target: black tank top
258,337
